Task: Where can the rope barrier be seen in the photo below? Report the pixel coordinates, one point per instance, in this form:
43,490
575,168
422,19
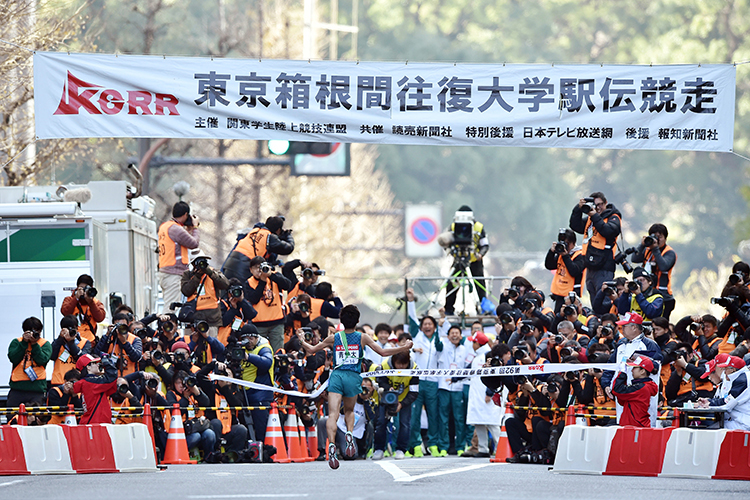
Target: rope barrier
46,410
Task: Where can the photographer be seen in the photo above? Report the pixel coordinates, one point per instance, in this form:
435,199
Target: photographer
95,388
176,237
66,349
151,394
532,306
180,360
736,300
126,348
658,259
309,371
224,422
326,302
701,333
265,287
267,240
605,299
568,264
186,392
83,304
640,297
63,395
257,366
593,392
124,398
506,323
605,333
571,312
396,395
236,311
685,383
468,245
167,332
202,285
29,355
600,231
307,282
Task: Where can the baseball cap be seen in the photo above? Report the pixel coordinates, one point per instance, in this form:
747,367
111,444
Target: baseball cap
644,362
639,272
197,253
180,345
478,337
711,365
631,318
732,361
85,360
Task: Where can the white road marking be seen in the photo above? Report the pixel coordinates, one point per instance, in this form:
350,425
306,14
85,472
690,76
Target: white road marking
403,477
11,482
253,495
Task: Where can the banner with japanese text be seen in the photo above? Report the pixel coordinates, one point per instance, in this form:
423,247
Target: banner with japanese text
675,107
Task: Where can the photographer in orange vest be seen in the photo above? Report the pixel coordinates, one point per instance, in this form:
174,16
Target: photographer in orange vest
202,283
569,266
658,259
29,354
176,238
83,303
267,240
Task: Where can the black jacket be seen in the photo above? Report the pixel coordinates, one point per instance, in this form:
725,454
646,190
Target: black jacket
597,259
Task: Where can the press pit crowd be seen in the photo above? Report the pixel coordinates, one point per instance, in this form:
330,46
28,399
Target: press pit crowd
277,325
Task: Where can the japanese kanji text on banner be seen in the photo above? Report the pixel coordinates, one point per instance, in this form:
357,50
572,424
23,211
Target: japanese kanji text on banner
676,107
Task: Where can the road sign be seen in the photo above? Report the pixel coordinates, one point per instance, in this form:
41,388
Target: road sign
422,225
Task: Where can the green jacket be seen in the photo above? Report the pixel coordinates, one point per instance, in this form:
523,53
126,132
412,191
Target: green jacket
40,354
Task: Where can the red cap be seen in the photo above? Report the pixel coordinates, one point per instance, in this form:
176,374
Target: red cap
85,360
180,345
711,365
732,361
478,337
631,318
642,361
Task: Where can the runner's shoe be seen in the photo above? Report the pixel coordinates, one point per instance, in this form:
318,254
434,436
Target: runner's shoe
333,460
350,450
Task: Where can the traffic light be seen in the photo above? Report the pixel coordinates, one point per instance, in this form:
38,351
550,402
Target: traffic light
299,148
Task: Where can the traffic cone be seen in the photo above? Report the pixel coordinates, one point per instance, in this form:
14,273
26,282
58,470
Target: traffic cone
676,418
312,443
580,419
570,416
148,422
303,441
274,436
176,451
502,450
22,415
292,437
70,418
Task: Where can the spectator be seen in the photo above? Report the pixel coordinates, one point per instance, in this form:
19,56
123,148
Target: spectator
600,232
569,266
734,393
202,284
658,259
451,393
66,348
482,413
95,388
635,397
264,293
29,355
176,237
382,333
224,422
267,240
85,306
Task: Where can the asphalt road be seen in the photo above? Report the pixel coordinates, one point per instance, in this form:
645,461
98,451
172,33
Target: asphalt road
413,479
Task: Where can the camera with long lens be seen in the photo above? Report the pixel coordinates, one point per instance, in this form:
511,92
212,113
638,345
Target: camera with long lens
571,376
308,333
281,362
181,357
520,379
694,327
235,291
611,287
266,268
520,353
736,278
552,387
191,381
529,304
622,259
201,327
506,318
607,331
201,263
495,361
561,246
308,273
157,355
725,301
141,333
389,400
633,287
166,326
566,351
90,291
650,239
588,206
235,354
514,292
122,389
569,311
304,307
525,328
120,329
152,383
559,339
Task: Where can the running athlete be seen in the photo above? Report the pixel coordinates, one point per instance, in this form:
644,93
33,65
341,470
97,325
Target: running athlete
345,382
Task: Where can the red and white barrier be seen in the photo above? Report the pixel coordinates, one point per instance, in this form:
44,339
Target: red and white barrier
63,449
670,452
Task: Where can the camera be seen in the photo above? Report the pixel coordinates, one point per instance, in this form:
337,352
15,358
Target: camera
725,301
506,318
180,357
389,400
622,259
201,263
142,333
235,291
521,379
282,362
736,278
566,351
157,356
121,329
588,206
90,291
36,334
607,331
571,376
191,381
495,361
266,268
304,307
189,222
569,311
463,228
308,333
201,327
650,239
611,287
529,304
695,326
308,273
553,387
560,247
236,353
525,327
166,326
513,292
123,389
152,383
520,353
559,338
633,286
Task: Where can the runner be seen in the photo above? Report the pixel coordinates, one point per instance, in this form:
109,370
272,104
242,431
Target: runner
345,382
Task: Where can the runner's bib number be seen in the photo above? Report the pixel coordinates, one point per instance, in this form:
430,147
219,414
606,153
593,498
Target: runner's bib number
347,358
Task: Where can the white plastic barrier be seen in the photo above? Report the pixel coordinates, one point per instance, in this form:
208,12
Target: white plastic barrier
133,449
692,453
584,450
45,449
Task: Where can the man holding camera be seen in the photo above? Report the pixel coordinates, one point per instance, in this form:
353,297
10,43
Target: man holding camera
701,333
236,311
396,397
205,348
267,240
202,285
600,231
641,297
176,237
569,266
305,284
257,366
63,395
264,294
95,388
186,392
126,348
658,259
605,299
67,348
29,354
469,244
83,303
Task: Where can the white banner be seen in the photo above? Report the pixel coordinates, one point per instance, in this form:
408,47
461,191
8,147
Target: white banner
683,107
262,387
496,371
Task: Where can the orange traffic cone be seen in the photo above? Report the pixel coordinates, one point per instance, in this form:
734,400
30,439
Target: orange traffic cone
176,451
149,423
580,419
303,441
274,436
312,443
292,436
676,418
70,418
570,416
503,450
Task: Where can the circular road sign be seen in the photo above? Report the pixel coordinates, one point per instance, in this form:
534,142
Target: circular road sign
424,230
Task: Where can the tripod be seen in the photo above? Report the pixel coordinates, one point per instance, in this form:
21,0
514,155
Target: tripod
468,285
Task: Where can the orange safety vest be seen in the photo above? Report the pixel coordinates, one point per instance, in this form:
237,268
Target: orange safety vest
207,298
129,365
663,280
694,384
295,291
169,248
225,416
57,419
255,243
315,306
600,399
64,363
86,322
224,331
563,283
697,347
123,416
595,239
726,347
19,374
270,306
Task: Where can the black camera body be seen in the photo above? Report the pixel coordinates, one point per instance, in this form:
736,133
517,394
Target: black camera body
569,311
520,353
201,263
633,287
201,326
650,239
266,268
588,206
308,333
506,318
152,383
90,291
235,291
235,354
191,380
525,328
123,389
725,301
389,400
736,278
622,259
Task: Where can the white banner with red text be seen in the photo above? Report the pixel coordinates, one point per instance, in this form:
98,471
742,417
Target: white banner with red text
674,107
497,371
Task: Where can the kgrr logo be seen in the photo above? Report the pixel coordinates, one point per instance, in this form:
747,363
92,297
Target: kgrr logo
97,100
